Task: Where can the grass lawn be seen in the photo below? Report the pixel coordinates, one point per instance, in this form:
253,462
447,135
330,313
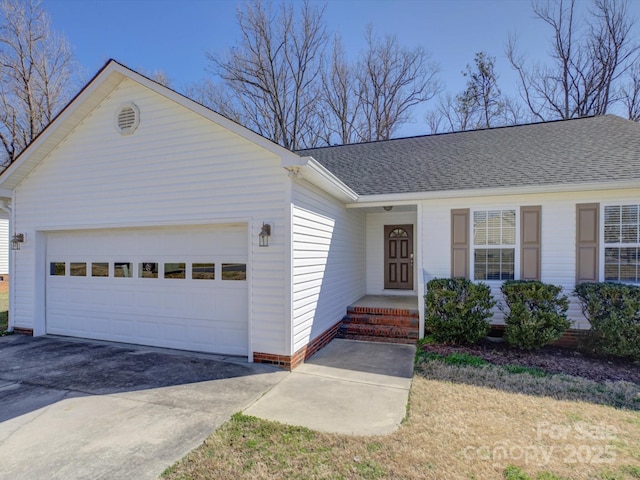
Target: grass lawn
466,420
4,311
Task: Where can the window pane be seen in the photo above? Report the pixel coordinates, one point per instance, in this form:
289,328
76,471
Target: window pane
509,219
398,232
508,264
234,271
480,228
100,269
493,264
611,272
612,215
628,264
480,236
147,270
122,269
78,269
203,271
493,236
175,270
630,214
629,234
57,268
480,264
612,233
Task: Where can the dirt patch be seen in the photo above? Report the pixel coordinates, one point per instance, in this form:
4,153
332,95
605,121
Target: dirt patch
550,359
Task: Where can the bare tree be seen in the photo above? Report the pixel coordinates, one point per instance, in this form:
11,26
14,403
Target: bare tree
630,95
392,81
448,116
480,105
272,77
36,68
587,60
342,112
482,97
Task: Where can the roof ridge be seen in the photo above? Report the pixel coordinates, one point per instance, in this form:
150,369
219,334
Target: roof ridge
459,132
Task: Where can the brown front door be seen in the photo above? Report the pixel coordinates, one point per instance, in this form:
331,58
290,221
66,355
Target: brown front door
398,257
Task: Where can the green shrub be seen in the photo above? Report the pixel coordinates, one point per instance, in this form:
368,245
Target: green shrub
536,313
458,310
613,310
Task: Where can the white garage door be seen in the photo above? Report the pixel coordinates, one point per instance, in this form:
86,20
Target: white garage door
179,287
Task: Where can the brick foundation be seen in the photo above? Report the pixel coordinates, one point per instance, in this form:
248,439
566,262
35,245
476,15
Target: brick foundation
289,362
23,331
569,338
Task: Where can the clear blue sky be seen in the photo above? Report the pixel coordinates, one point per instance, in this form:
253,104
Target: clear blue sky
173,35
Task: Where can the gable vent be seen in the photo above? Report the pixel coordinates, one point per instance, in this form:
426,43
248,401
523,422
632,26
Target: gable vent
127,118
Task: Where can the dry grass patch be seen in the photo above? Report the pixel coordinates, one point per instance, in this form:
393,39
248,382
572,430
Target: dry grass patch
457,428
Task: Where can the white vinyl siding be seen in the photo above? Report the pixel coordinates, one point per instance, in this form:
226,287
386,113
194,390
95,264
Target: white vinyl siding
4,246
328,261
177,168
558,241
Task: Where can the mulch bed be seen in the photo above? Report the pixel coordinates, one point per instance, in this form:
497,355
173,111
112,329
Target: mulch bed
550,359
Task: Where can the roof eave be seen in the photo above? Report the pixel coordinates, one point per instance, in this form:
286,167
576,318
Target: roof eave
405,198
311,170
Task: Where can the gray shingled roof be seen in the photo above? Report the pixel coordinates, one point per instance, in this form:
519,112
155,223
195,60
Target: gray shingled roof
586,150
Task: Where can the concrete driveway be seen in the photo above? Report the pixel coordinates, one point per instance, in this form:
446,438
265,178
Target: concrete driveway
72,409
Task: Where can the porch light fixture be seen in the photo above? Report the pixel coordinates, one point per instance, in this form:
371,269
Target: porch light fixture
17,240
264,235
387,208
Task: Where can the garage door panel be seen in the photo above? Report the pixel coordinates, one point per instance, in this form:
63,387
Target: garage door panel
208,315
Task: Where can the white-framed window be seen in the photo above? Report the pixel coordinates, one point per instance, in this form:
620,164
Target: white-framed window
622,243
494,244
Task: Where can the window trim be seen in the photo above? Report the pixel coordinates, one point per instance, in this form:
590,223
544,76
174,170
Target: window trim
516,245
601,234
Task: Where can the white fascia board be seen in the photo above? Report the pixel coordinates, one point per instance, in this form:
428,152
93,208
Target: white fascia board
411,198
315,173
6,193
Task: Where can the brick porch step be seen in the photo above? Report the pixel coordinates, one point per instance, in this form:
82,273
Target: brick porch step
365,338
391,320
375,324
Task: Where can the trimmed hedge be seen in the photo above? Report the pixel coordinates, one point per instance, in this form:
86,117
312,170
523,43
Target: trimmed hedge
613,310
536,313
457,310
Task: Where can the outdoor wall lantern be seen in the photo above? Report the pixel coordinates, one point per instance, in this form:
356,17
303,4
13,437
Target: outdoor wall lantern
265,233
17,240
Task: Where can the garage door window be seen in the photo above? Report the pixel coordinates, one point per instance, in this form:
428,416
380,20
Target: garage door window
100,269
175,270
57,268
148,270
203,271
78,269
122,269
234,271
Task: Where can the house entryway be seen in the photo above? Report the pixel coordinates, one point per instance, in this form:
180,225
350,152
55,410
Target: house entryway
381,318
398,257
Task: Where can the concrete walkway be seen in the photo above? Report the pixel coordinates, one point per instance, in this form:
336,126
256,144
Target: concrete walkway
350,387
